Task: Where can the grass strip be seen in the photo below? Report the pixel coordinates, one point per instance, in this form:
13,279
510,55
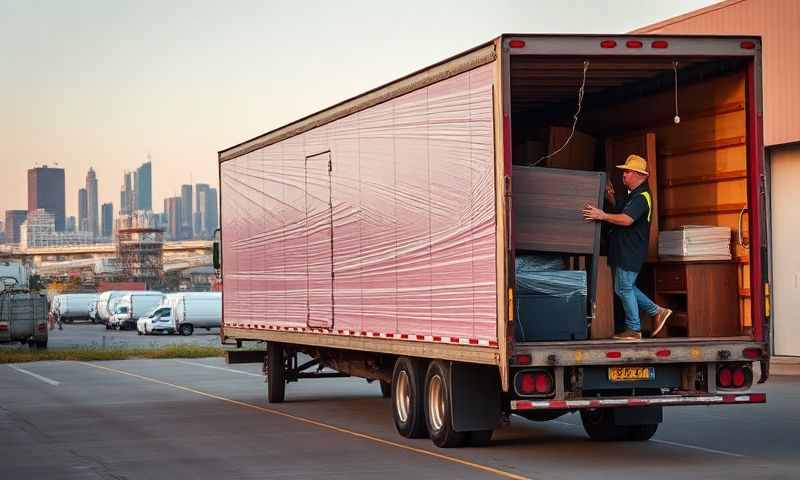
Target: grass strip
91,354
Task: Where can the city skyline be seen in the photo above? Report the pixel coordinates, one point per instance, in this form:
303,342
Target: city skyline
88,88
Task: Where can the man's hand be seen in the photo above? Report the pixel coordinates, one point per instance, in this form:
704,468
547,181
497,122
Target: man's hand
593,213
610,192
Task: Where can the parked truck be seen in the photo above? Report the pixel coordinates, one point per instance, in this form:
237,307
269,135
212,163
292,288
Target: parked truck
133,305
428,234
74,306
193,310
23,313
106,304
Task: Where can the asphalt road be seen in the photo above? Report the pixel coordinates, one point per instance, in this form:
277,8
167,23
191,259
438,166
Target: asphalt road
202,419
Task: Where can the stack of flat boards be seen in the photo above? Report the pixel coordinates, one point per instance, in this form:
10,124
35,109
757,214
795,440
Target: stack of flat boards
695,243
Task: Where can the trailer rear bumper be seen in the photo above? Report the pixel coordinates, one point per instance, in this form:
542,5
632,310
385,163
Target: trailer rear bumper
664,400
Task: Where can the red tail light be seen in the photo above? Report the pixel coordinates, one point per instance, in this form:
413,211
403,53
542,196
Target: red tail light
522,360
738,377
516,43
751,353
724,377
42,327
748,45
634,44
3,327
534,382
608,44
659,44
663,353
613,354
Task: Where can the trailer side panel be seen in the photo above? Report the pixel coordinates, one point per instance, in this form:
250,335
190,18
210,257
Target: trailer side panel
381,223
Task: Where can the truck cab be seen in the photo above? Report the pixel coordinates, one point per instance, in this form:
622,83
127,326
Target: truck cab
158,320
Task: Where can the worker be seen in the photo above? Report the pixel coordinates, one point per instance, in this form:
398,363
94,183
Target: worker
629,238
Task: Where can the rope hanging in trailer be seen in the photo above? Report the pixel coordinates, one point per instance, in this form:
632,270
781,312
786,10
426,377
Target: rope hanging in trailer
581,92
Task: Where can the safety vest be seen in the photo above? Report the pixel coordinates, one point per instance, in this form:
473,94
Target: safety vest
649,201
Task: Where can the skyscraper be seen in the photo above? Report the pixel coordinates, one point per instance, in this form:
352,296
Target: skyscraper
186,212
126,200
46,190
144,187
172,207
83,206
71,224
14,219
212,212
199,207
92,212
108,220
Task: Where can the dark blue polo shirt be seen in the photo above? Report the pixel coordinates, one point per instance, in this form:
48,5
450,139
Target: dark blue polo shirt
627,246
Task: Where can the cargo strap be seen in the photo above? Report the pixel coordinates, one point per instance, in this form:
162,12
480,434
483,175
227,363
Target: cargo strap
649,201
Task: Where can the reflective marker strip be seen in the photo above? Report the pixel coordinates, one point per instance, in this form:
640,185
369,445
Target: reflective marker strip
636,402
351,333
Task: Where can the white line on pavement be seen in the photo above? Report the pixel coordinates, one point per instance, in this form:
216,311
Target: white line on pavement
665,442
198,364
35,375
709,450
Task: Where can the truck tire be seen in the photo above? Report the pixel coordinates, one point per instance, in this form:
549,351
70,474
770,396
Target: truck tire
276,372
186,329
438,412
408,397
599,425
386,389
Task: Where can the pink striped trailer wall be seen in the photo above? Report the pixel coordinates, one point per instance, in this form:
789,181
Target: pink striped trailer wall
380,224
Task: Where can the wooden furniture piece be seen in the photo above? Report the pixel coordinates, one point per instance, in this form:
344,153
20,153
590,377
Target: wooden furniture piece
703,296
603,323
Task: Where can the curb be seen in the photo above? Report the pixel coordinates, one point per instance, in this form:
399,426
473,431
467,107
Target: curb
784,366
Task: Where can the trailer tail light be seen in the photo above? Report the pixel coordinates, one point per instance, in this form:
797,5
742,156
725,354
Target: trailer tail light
3,327
516,43
751,353
634,44
748,45
663,353
734,377
42,327
724,377
613,354
659,44
522,360
608,44
533,382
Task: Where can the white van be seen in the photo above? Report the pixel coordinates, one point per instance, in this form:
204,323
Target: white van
197,310
132,306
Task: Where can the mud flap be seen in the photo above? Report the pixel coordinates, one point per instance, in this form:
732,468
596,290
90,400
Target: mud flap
475,400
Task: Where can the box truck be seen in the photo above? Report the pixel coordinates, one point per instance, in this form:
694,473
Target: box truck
428,234
74,306
133,305
193,310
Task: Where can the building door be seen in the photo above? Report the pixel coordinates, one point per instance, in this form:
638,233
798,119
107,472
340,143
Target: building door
785,197
319,241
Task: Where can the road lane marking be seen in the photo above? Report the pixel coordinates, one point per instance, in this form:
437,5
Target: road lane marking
674,444
693,447
476,466
35,375
198,364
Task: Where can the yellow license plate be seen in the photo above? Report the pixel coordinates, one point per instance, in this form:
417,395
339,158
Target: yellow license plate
631,374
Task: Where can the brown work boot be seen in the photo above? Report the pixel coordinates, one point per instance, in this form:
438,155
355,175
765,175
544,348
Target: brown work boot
661,320
628,335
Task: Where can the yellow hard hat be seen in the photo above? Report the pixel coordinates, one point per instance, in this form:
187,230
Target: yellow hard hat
635,163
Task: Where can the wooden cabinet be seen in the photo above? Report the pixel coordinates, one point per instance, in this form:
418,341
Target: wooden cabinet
704,296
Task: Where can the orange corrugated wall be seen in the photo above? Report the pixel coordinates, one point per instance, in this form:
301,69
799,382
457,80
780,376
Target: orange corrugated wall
778,23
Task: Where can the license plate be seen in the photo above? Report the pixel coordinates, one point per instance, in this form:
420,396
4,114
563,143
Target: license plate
631,374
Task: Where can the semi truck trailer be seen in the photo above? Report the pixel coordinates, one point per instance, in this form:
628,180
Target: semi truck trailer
428,234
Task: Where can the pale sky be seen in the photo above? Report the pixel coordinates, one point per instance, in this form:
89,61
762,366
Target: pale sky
102,83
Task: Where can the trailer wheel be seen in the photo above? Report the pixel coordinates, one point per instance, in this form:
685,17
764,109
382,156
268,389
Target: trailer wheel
599,425
438,412
186,329
276,372
408,397
386,389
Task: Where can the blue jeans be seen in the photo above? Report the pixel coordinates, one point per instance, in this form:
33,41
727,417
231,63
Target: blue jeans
632,298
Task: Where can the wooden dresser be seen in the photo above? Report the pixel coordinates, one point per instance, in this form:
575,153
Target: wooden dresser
703,295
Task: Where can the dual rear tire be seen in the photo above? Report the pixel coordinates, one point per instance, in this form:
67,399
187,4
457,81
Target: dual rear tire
421,405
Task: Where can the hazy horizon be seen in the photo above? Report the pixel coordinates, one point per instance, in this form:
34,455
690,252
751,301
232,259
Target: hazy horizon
102,84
